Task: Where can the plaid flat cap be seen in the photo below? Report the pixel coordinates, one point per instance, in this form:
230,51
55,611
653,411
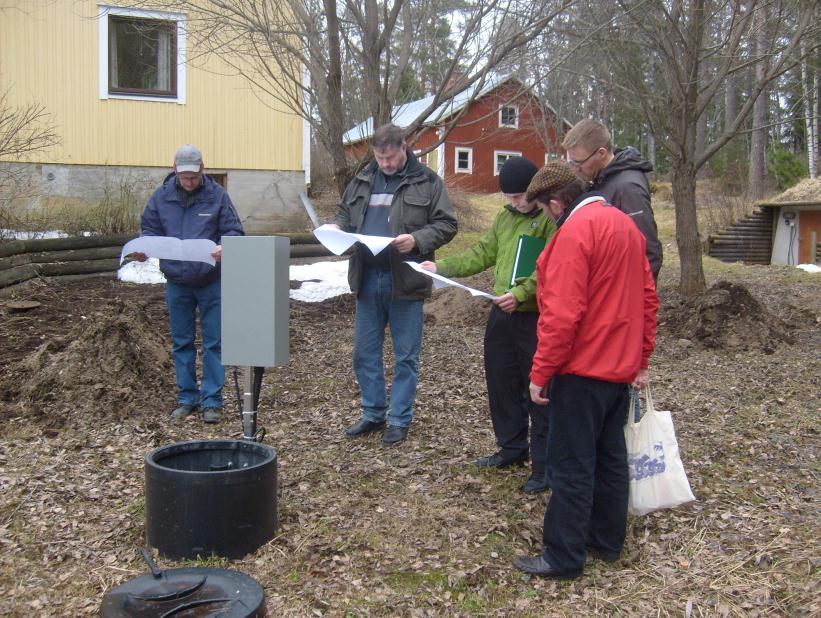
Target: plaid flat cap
552,177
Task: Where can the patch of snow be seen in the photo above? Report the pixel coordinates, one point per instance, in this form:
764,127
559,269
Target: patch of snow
810,268
141,272
321,280
17,235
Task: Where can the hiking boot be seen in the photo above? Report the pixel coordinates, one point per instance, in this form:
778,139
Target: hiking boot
498,460
184,410
212,415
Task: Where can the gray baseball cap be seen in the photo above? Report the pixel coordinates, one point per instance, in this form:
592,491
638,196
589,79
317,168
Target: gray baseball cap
188,159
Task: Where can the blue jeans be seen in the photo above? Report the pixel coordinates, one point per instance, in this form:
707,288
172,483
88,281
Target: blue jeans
182,315
376,309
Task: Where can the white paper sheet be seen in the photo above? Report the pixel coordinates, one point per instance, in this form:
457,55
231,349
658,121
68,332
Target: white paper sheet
442,282
337,241
170,248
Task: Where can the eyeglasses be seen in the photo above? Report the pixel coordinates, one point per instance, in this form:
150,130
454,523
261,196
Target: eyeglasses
583,161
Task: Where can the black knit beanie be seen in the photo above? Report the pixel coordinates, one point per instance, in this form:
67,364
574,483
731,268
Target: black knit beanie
516,174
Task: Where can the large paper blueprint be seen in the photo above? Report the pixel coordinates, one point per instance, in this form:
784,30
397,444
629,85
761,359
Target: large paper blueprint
337,241
442,282
170,248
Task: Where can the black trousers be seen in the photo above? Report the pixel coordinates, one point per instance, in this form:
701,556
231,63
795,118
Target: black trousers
510,342
587,470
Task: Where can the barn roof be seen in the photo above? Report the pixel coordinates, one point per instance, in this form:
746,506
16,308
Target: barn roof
403,115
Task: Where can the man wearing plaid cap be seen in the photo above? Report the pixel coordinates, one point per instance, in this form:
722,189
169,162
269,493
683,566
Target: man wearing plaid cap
597,326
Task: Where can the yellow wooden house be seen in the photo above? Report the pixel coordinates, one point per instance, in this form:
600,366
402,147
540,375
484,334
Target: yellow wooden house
124,89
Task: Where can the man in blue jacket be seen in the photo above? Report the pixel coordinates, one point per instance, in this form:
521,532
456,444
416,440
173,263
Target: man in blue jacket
189,204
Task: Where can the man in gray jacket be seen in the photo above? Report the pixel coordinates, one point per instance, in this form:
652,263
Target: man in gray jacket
620,177
396,196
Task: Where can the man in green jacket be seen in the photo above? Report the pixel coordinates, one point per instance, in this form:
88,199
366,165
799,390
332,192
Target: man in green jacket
510,335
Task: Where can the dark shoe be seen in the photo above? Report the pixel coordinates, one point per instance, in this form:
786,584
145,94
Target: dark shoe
537,565
394,435
363,427
184,410
535,484
596,554
498,461
212,415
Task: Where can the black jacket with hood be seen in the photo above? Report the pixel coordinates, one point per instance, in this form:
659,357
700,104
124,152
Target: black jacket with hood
624,184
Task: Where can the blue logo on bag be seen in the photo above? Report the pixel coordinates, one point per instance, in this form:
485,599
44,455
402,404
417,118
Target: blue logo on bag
642,466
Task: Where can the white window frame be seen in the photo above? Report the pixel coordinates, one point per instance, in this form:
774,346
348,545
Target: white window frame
507,153
515,125
418,154
456,152
179,18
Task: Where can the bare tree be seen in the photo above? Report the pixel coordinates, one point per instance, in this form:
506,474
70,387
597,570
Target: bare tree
24,129
810,93
758,138
674,35
296,51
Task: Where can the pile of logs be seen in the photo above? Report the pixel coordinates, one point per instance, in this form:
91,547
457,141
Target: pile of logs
21,260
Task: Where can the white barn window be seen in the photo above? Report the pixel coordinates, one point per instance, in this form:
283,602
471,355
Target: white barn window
463,161
509,117
499,158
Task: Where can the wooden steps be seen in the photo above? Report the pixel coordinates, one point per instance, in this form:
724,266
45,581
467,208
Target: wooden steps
748,240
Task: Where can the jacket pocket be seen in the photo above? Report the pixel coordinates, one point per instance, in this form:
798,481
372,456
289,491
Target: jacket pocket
356,210
416,211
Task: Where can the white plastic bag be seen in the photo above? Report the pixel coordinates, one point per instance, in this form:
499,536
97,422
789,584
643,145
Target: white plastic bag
657,477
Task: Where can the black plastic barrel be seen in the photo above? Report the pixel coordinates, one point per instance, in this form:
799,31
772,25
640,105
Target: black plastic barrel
213,497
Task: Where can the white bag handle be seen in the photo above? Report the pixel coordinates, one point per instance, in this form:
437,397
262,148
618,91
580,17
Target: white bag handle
650,406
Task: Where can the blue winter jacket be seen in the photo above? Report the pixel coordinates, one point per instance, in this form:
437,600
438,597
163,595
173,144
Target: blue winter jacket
210,215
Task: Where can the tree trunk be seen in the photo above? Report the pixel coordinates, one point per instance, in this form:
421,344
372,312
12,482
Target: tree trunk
687,237
730,102
758,144
809,121
335,119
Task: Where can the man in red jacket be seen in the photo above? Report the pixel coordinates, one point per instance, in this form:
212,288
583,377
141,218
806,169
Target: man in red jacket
597,328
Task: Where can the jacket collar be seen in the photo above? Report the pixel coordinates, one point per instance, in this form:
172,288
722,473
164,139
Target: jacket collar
533,213
580,202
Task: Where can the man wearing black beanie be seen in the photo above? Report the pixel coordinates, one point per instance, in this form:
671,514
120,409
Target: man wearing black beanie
510,335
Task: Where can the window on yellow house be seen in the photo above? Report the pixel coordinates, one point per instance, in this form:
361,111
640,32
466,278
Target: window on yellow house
142,56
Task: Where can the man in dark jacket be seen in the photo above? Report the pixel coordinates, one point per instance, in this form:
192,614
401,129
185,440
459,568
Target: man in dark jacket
396,196
189,204
620,177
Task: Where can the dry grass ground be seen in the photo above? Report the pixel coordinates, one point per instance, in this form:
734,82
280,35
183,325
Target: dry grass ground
414,530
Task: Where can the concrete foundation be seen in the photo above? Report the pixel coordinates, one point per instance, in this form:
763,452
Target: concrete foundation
267,201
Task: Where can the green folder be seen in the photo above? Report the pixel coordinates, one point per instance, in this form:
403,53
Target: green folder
528,250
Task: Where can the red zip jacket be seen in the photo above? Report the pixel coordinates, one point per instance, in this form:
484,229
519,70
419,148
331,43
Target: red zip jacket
597,299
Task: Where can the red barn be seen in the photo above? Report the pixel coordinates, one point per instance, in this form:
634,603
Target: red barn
503,119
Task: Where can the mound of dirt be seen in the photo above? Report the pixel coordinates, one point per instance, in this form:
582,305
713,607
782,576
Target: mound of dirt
112,360
808,190
726,317
450,306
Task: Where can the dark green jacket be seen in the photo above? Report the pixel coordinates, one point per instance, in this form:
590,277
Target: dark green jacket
421,207
498,247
